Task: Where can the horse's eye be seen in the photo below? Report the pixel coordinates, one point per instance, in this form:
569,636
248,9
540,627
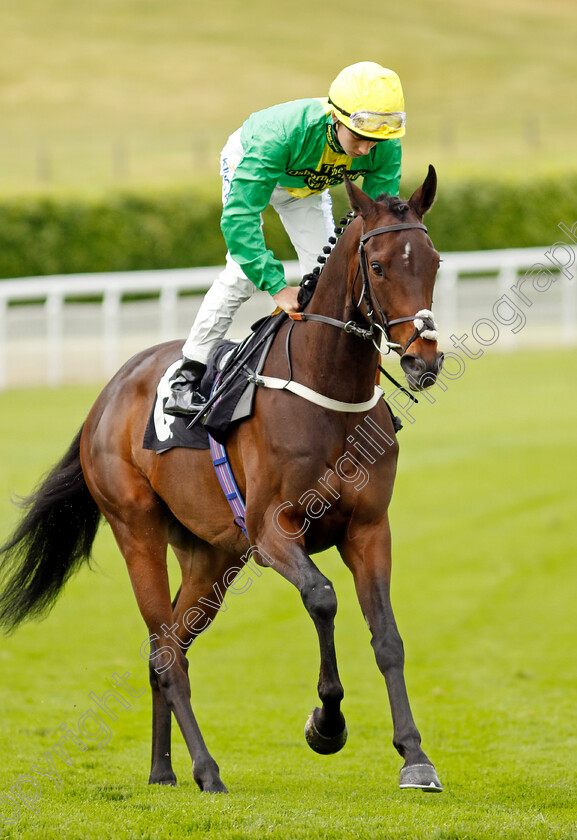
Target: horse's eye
377,268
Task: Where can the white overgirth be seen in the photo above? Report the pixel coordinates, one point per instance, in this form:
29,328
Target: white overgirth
314,396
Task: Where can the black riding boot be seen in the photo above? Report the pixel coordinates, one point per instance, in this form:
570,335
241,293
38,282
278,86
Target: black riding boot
185,398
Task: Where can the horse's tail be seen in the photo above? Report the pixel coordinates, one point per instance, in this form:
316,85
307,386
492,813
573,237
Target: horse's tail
51,542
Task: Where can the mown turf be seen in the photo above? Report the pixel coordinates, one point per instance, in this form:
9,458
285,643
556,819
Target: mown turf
139,91
484,586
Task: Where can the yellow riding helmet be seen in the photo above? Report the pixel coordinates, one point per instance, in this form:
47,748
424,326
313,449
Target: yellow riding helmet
368,99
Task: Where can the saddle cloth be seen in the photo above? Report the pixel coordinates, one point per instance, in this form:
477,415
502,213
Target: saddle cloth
164,431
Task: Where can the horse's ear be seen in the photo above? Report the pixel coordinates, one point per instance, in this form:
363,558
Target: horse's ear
422,199
359,200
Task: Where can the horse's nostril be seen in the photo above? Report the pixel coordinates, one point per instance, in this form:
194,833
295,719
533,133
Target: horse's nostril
413,365
439,362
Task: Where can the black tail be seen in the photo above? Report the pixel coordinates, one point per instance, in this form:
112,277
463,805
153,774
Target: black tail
51,542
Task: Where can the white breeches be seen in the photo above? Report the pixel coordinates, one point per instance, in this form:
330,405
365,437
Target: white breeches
308,223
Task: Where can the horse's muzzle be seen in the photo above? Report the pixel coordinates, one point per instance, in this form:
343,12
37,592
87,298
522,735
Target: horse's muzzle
419,373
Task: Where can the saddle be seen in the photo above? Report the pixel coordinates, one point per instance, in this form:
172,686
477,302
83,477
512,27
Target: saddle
232,400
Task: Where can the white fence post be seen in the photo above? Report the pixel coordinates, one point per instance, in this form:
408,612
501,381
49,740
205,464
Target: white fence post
506,279
447,314
111,315
569,309
3,342
168,309
54,337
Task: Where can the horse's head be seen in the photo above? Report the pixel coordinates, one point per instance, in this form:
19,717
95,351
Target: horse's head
398,265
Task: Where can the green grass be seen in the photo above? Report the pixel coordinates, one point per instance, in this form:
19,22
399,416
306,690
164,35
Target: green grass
140,91
484,584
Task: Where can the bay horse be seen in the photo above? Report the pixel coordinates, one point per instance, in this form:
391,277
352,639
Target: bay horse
376,283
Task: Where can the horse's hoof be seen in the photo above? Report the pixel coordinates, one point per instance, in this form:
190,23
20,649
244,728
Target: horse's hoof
207,777
216,786
323,744
421,777
162,779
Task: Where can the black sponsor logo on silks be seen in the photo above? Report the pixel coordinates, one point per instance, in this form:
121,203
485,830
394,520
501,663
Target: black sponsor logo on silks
327,176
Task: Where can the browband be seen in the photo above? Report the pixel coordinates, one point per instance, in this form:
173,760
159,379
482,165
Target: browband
391,228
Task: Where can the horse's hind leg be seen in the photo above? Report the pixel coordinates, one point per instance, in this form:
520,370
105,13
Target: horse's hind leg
161,772
203,572
140,523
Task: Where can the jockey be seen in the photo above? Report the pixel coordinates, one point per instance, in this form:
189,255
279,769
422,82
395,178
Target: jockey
288,156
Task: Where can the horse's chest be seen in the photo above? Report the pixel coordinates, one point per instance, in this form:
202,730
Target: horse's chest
338,489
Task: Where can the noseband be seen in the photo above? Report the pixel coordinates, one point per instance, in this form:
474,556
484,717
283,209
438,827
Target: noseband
424,321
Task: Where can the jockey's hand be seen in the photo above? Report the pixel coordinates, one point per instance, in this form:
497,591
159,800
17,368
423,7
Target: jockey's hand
287,299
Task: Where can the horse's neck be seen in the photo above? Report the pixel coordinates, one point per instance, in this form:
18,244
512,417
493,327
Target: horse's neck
339,364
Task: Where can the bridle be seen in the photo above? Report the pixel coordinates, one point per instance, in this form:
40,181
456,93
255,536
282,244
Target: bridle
424,321
425,326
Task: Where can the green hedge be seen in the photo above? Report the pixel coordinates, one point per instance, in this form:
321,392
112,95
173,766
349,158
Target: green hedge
481,215
476,215
179,228
123,232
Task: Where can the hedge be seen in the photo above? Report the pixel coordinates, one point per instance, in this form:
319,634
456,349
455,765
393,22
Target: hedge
179,228
122,232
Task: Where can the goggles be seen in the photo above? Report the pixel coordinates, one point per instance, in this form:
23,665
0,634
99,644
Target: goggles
372,121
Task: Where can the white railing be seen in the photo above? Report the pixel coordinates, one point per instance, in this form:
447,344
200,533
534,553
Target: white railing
459,300
52,292
41,318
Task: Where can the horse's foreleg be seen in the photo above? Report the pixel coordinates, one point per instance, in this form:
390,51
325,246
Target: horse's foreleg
325,729
367,552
